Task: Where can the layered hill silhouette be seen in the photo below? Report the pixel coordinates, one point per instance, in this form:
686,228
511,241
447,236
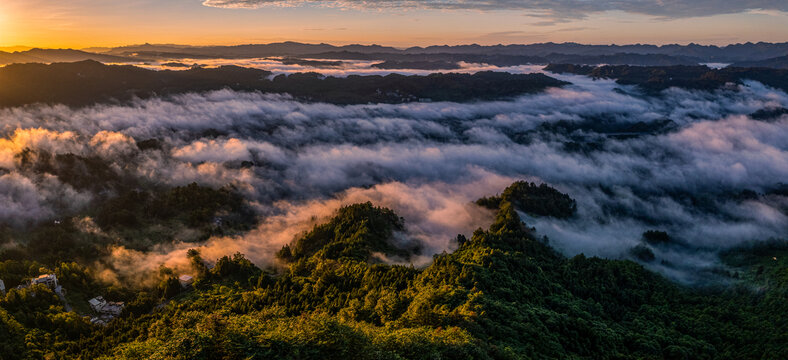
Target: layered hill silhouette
89,82
705,53
431,57
58,55
657,78
780,62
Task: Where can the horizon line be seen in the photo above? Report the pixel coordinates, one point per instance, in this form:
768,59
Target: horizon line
340,44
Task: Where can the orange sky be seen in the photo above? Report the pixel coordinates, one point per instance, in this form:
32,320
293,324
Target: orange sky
84,23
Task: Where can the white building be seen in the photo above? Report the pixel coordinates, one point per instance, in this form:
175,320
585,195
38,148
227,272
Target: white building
97,303
48,280
104,307
2,287
113,308
186,280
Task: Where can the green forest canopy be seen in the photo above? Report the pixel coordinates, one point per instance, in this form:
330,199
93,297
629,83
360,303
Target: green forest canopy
502,294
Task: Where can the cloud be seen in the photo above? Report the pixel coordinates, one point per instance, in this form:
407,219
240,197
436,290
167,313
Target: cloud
427,161
36,138
110,144
553,9
228,150
348,67
20,198
434,214
29,199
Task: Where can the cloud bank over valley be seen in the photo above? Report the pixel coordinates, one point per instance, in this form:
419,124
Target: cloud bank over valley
695,164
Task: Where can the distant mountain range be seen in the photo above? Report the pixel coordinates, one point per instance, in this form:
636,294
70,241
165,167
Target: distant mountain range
780,62
245,51
657,78
704,53
58,55
89,82
15,48
432,57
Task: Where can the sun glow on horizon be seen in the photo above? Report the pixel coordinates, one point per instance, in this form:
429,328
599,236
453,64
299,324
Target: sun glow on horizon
3,27
94,23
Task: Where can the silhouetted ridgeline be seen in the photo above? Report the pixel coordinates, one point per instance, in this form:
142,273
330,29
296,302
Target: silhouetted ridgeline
418,64
312,63
704,53
89,82
658,78
412,61
780,62
58,55
746,55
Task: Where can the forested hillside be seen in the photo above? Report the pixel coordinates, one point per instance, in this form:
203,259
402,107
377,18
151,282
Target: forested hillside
502,294
89,82
657,78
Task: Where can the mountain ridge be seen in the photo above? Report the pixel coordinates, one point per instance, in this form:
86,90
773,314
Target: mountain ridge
709,53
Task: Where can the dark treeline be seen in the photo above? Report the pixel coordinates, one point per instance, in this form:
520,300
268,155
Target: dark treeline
780,62
90,82
417,64
657,78
58,55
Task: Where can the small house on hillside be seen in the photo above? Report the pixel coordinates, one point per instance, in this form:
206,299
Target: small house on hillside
49,280
186,280
113,308
97,303
104,307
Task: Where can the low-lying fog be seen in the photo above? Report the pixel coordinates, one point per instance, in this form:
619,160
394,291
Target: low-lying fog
683,174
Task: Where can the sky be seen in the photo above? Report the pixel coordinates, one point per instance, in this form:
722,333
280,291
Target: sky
90,23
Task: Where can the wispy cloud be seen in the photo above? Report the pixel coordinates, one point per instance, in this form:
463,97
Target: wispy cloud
553,10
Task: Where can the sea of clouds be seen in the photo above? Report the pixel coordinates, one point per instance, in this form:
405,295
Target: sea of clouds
430,161
347,67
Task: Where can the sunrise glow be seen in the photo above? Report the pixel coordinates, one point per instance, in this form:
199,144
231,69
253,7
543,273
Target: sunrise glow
88,23
393,179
